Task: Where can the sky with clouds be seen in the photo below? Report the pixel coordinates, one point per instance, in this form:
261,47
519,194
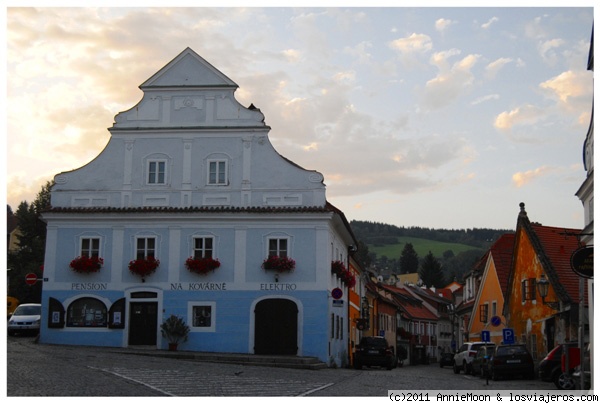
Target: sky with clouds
432,117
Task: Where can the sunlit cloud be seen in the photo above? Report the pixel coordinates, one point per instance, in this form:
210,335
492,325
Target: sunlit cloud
494,67
521,179
490,22
523,115
442,24
485,98
568,85
451,82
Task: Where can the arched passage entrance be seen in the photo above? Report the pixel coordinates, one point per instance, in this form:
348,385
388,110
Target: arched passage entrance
276,327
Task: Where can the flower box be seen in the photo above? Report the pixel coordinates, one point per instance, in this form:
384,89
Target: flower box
279,264
143,267
203,265
85,264
339,269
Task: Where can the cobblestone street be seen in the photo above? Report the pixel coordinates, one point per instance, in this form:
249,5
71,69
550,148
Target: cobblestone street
48,370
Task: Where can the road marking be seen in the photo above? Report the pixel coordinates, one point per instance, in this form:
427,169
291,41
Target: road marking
315,390
185,383
134,380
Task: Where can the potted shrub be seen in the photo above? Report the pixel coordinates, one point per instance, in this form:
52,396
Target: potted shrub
279,264
85,264
175,330
202,265
144,267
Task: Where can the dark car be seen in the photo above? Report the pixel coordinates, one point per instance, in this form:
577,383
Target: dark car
550,369
480,362
510,360
446,359
374,351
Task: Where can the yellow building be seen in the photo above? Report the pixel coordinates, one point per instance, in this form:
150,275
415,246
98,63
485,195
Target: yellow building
542,255
489,300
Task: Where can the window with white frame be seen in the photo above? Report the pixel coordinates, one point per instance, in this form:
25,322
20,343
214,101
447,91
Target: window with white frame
157,172
203,316
145,247
494,308
203,247
484,312
217,172
89,247
528,289
278,247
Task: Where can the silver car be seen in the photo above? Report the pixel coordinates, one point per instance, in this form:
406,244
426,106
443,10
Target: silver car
25,319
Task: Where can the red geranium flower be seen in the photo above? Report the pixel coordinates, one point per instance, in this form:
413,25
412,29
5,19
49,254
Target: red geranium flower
85,264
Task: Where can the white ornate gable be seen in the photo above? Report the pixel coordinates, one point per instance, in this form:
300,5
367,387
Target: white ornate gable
187,92
188,143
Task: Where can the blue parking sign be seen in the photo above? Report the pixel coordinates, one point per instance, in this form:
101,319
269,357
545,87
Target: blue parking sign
485,336
508,336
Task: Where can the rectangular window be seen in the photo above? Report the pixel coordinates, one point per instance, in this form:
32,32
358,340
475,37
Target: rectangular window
494,308
202,316
90,247
156,172
217,172
332,325
278,247
483,313
203,247
145,248
528,289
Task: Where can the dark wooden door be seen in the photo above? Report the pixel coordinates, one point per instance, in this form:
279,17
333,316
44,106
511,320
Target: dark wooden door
276,327
143,323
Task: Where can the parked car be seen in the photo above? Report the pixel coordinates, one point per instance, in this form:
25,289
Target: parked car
465,355
480,361
374,351
511,359
550,369
446,359
25,319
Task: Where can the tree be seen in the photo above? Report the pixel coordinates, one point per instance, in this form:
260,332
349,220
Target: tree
362,255
431,272
31,245
409,260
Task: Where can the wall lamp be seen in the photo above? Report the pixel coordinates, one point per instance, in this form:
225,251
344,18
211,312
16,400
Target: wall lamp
543,286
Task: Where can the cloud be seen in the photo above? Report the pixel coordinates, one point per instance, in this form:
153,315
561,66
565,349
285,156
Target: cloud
521,179
411,48
485,98
451,81
360,51
492,69
491,21
523,115
547,50
442,24
569,85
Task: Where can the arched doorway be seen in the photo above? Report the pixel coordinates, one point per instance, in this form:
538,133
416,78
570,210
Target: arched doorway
276,327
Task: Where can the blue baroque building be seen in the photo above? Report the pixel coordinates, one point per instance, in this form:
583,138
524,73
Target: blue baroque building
188,172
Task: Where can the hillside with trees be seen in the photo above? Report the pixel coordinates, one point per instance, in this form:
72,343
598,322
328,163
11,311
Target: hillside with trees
387,249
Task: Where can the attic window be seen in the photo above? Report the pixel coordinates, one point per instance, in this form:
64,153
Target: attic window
528,289
157,172
217,172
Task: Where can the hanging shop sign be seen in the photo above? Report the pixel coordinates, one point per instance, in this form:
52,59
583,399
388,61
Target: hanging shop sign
582,262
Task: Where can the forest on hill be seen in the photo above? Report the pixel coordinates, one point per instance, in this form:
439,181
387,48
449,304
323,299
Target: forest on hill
381,247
